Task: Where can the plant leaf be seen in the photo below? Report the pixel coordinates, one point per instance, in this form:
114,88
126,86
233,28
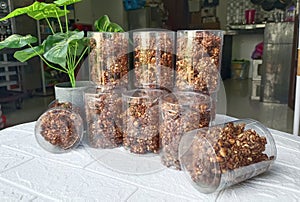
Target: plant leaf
65,2
58,53
17,41
114,27
102,23
21,11
51,40
77,39
57,45
43,10
26,54
75,35
37,10
81,45
47,13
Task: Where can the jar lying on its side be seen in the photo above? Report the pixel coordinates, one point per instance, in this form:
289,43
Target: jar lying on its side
217,157
59,129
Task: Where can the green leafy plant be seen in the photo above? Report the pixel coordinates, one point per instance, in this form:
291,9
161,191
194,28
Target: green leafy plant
103,24
62,50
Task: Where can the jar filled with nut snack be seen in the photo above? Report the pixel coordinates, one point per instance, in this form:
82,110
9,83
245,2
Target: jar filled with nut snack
223,155
154,53
104,118
180,112
198,61
141,120
108,59
59,129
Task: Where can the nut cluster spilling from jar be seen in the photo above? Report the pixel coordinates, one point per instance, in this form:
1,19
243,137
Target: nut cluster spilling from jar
198,61
153,58
108,58
104,119
61,127
141,121
219,151
180,113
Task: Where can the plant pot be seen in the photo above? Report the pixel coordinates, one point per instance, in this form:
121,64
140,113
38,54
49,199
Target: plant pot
65,93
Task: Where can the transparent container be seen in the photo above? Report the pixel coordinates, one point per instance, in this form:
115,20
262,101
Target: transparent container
103,109
180,112
198,61
214,100
223,155
141,120
154,58
59,129
108,59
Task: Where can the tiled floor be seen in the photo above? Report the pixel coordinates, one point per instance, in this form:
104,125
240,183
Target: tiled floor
236,93
31,109
239,104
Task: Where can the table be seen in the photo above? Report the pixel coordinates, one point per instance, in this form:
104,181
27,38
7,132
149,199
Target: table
27,172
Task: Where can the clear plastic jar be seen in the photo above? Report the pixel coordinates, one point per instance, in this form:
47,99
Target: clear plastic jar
141,120
217,157
104,118
214,100
198,61
59,129
108,59
154,58
180,112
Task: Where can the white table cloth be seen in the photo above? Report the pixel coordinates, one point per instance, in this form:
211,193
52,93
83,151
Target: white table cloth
27,172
